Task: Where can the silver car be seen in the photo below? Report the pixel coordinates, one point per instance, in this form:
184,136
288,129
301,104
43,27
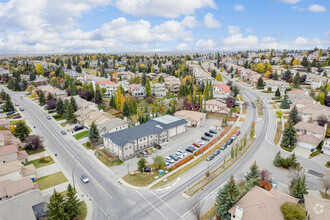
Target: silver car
84,178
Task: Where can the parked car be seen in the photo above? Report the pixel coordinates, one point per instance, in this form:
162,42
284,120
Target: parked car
208,134
1,110
194,147
174,157
238,132
229,142
180,151
234,137
274,183
169,159
144,154
200,142
166,163
17,116
148,152
84,178
28,93
10,113
184,154
190,149
48,117
21,108
63,132
78,127
197,145
147,170
205,138
224,146
213,131
16,104
216,152
209,158
179,155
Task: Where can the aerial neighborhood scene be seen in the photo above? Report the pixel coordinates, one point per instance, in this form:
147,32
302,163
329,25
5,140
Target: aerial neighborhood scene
191,109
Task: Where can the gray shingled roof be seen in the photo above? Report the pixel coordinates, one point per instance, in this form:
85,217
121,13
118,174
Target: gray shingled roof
122,137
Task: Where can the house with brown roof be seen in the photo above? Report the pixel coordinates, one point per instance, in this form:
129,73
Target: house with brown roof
326,146
260,204
5,123
15,170
11,152
310,134
317,209
9,188
172,83
218,107
194,119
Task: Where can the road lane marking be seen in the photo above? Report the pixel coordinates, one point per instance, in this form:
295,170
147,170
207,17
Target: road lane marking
68,151
151,204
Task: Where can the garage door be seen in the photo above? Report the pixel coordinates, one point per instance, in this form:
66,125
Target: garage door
181,129
305,145
327,152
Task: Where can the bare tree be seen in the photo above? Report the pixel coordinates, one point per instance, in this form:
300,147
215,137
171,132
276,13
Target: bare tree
196,208
326,182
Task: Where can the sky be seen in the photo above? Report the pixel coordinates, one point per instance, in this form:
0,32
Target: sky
116,26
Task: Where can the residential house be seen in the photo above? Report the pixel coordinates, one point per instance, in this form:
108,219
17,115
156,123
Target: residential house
260,204
41,81
221,91
298,94
194,119
317,208
172,83
55,92
326,146
215,106
112,125
5,123
274,85
11,152
15,170
310,134
158,90
137,90
310,110
315,81
108,86
127,142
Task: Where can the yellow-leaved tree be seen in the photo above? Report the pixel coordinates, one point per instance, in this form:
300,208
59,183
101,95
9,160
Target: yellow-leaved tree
267,74
40,69
219,77
34,95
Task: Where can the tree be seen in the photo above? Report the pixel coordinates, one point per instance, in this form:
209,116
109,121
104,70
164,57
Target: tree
219,77
325,182
296,80
289,139
126,111
278,93
252,132
73,103
298,186
159,162
93,134
277,159
59,107
56,208
275,76
39,69
293,211
148,89
21,130
144,79
226,198
253,175
73,88
232,152
285,102
42,99
142,164
293,115
72,203
8,104
98,96
260,84
322,120
33,143
51,104
49,97
214,73
69,114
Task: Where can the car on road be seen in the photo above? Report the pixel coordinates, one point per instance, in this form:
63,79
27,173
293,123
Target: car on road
223,146
174,157
48,117
16,104
200,142
168,159
274,183
28,93
21,108
63,132
213,131
17,116
197,145
238,132
216,152
84,178
179,155
190,149
77,128
208,134
209,158
205,138
229,142
143,154
10,113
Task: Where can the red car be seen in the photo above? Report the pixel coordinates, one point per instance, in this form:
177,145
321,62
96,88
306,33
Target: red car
197,145
17,116
238,132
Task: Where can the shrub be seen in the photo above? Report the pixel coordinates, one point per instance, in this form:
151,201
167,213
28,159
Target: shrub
293,211
42,160
328,163
183,161
207,174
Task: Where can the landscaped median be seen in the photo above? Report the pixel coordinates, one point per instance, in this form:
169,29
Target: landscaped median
46,182
278,133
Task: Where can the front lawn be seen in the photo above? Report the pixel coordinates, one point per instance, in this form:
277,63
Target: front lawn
58,117
107,162
46,182
63,124
140,179
41,162
30,152
81,135
14,122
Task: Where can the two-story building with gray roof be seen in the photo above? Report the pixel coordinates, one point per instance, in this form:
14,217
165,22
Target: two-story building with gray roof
127,142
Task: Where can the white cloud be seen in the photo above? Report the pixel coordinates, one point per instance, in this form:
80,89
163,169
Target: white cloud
167,8
290,1
183,46
205,44
233,30
190,21
250,30
239,7
210,22
268,40
317,8
170,31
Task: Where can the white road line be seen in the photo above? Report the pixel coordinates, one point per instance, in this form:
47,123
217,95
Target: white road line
151,204
166,204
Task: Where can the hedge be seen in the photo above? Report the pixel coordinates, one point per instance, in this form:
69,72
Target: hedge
183,161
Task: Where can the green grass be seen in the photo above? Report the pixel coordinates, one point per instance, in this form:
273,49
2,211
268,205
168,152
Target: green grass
63,124
93,72
112,111
31,152
81,135
107,162
85,145
58,117
37,163
46,182
9,116
140,179
278,133
14,122
324,196
103,107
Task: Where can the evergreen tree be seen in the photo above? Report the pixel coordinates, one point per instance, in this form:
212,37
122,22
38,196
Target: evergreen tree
142,163
93,134
69,114
144,79
73,88
232,152
296,80
278,93
42,99
126,111
98,96
112,102
55,208
59,107
8,104
293,115
21,130
72,204
253,175
214,73
260,84
148,89
277,159
49,97
275,76
298,187
69,66
289,139
285,102
73,103
226,198
3,95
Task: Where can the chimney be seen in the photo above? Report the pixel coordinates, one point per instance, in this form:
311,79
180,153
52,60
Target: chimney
239,212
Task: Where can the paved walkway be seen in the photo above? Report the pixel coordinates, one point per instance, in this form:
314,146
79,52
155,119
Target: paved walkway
47,170
38,155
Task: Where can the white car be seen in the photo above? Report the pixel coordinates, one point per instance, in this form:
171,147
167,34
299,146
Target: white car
180,156
200,142
184,154
180,151
170,160
84,178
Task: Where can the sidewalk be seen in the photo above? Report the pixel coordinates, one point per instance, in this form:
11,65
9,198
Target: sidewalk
47,170
38,155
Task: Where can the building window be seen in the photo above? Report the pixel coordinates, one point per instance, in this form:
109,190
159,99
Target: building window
130,147
144,139
126,148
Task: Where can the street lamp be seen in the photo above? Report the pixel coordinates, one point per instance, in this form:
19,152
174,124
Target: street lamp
73,175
